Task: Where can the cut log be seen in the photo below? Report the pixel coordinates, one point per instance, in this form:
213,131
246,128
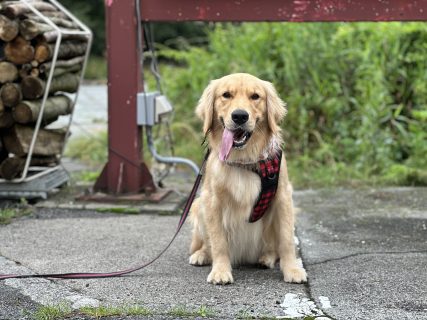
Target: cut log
42,52
63,70
6,120
33,87
13,167
35,72
59,21
30,29
13,10
49,14
11,94
17,140
25,70
9,29
45,67
29,111
19,51
51,36
8,72
68,49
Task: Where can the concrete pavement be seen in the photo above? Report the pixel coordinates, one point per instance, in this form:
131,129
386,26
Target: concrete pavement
365,252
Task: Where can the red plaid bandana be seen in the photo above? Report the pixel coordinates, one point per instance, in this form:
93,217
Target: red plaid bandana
268,170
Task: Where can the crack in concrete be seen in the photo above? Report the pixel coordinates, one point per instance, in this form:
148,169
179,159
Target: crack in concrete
307,284
364,254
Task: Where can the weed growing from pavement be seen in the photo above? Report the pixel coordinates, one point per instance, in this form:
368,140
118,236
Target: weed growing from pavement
62,311
8,213
125,210
52,312
108,311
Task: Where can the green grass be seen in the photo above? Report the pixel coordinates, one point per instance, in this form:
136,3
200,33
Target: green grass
91,150
109,311
87,176
7,214
62,311
125,210
52,312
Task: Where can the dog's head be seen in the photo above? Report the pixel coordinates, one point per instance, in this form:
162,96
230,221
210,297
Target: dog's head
243,111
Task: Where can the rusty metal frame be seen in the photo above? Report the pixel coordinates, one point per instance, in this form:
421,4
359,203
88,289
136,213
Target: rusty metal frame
125,171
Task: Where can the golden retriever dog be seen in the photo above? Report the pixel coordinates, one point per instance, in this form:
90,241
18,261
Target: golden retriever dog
241,116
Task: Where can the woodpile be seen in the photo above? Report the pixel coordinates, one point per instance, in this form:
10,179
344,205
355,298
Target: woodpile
27,46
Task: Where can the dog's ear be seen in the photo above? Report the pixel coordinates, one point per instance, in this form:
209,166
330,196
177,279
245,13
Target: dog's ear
276,108
205,108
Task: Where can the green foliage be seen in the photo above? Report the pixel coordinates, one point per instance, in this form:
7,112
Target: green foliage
91,150
356,92
87,176
96,68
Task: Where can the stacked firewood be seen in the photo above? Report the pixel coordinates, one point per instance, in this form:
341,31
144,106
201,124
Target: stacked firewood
27,45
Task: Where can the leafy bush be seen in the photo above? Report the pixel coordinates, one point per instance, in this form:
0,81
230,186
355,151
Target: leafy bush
356,92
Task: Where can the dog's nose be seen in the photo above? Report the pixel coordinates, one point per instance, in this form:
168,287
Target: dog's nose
239,116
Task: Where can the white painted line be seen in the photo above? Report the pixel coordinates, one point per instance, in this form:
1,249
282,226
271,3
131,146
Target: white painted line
325,303
43,291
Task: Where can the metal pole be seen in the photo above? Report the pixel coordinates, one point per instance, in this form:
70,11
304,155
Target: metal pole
125,171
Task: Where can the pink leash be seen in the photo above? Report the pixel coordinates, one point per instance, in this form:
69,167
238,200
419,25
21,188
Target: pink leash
94,275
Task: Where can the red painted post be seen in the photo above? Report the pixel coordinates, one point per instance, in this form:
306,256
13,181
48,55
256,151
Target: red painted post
125,172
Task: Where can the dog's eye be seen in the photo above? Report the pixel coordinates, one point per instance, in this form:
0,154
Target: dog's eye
255,96
226,95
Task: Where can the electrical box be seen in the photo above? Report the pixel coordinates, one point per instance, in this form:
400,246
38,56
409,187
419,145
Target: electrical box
162,107
150,107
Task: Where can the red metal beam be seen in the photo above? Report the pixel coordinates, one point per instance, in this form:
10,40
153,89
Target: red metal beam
125,171
284,10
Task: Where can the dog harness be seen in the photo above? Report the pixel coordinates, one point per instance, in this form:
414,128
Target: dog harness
268,170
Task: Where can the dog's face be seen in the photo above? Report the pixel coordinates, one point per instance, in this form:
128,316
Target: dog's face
243,106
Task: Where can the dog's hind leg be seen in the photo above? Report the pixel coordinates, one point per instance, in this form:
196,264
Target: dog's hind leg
269,255
201,257
196,242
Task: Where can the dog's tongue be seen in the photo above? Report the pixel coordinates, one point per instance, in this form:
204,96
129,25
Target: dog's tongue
226,144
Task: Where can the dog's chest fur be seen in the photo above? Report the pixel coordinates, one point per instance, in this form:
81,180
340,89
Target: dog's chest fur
241,189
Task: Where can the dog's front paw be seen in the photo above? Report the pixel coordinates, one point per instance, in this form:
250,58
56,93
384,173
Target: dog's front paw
199,258
268,260
295,274
220,275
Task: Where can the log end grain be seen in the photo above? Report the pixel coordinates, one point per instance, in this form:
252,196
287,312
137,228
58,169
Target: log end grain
32,87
